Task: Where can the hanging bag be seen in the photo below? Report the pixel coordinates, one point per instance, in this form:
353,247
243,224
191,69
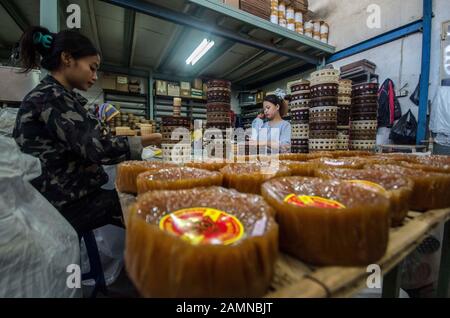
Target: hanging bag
404,131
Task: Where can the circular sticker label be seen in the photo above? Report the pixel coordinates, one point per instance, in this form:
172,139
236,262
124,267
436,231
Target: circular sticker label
201,226
313,202
372,186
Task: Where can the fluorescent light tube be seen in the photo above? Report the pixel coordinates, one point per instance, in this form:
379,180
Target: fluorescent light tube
203,52
197,51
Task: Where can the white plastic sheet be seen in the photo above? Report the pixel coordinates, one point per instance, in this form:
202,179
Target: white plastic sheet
7,121
36,243
440,112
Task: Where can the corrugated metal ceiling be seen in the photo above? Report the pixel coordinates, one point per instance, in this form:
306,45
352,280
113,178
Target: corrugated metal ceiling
135,40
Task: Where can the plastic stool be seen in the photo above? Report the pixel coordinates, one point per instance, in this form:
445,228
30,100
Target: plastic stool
96,270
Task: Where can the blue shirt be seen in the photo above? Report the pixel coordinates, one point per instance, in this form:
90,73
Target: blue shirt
263,131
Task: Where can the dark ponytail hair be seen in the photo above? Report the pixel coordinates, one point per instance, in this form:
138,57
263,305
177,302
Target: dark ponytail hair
39,42
282,102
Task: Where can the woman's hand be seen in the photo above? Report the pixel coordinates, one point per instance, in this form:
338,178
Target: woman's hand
151,140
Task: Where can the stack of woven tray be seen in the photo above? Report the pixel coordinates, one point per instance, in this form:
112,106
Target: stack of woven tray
169,126
299,108
323,110
343,117
363,117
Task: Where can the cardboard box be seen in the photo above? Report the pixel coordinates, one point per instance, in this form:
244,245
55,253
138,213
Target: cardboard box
122,84
197,93
185,89
108,81
198,84
173,89
232,3
260,97
134,88
161,88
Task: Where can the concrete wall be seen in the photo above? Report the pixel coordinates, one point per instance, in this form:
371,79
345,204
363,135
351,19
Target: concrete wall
399,60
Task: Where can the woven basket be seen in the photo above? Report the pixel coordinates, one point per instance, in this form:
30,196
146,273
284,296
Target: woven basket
363,125
300,103
365,89
301,96
344,100
323,126
218,107
325,109
300,131
364,117
218,83
301,85
362,145
325,76
323,134
324,101
364,108
324,90
322,144
363,135
176,153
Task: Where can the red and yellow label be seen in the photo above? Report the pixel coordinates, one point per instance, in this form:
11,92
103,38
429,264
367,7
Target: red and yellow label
201,226
313,202
372,186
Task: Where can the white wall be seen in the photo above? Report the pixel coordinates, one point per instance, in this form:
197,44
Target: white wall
399,60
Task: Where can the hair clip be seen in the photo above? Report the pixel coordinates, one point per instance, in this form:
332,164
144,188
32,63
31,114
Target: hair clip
45,40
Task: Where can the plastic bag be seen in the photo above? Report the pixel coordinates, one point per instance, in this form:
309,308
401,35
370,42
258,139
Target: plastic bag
110,243
415,97
404,131
36,243
7,121
440,112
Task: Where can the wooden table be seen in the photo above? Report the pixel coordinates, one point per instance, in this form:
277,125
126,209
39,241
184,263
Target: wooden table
295,279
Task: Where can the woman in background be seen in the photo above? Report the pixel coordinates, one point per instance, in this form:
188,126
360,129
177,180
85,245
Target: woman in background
275,106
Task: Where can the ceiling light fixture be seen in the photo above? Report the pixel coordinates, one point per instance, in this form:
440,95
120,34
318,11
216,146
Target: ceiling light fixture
201,50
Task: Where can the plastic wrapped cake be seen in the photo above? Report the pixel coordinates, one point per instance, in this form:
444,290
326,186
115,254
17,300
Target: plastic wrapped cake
397,188
207,165
248,177
301,168
329,222
202,242
431,189
128,171
430,163
177,178
346,163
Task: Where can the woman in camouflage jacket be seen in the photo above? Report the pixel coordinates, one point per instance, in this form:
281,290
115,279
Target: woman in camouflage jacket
54,125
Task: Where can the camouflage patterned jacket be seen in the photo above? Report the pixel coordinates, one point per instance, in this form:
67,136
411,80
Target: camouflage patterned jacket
53,125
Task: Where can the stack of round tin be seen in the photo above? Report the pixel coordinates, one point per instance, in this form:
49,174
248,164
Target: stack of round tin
343,116
172,149
323,110
363,117
299,108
